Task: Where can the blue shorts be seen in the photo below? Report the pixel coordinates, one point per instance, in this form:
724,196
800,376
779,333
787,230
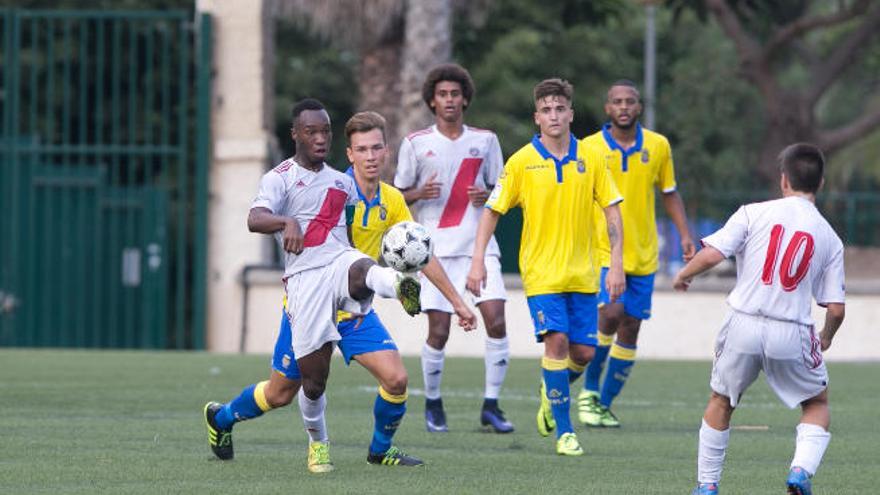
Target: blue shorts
636,299
572,313
283,361
363,335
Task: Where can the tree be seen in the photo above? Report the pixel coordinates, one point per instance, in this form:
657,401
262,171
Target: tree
794,52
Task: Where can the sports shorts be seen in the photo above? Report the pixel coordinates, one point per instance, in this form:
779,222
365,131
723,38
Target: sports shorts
636,299
572,313
364,335
457,269
788,353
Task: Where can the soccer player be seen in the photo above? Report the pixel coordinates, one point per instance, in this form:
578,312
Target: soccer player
786,255
640,160
554,184
301,202
445,172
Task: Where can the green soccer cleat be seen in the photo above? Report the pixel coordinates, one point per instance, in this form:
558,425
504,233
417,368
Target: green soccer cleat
393,457
319,457
219,440
568,445
589,410
408,291
546,423
607,418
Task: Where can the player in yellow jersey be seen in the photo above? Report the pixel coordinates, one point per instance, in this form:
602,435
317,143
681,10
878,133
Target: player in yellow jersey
640,160
555,184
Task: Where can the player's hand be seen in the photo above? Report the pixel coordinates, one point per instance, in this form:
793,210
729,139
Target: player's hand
431,189
680,283
477,195
688,248
476,278
292,236
615,283
824,341
467,320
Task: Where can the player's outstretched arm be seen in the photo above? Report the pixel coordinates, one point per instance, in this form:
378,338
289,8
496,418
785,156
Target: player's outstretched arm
674,206
616,279
263,221
702,261
476,278
833,319
437,275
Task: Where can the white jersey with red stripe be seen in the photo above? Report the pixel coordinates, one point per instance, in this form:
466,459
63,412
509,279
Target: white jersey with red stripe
317,200
786,255
474,158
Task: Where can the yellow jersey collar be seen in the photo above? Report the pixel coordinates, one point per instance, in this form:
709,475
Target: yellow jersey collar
614,145
570,157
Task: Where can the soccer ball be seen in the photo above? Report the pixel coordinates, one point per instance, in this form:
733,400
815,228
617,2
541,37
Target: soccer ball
407,247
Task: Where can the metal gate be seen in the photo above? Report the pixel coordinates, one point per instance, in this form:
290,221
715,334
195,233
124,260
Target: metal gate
103,178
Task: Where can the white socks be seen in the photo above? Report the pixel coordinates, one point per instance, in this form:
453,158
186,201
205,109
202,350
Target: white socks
497,359
381,280
812,440
432,370
312,412
710,456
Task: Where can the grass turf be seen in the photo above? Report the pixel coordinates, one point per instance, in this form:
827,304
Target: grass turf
131,422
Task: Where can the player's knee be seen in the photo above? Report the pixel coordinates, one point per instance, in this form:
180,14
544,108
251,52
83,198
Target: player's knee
357,278
497,328
582,354
314,388
438,334
280,398
396,384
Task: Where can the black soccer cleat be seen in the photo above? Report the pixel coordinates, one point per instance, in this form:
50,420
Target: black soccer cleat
493,417
435,417
219,440
393,457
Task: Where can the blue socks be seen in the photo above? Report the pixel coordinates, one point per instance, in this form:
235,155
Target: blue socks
619,365
251,403
594,369
388,410
556,374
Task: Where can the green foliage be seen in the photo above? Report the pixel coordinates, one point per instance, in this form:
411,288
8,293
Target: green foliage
131,422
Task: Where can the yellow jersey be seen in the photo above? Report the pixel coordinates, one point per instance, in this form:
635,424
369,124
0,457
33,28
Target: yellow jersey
636,172
556,196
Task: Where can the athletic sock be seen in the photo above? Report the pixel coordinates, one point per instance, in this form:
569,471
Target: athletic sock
574,370
812,440
388,410
497,358
312,412
251,403
594,369
710,456
381,280
620,363
555,372
432,370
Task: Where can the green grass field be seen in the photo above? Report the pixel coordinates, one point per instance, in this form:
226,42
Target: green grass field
131,422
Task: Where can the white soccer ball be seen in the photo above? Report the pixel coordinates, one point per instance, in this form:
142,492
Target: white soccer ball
407,247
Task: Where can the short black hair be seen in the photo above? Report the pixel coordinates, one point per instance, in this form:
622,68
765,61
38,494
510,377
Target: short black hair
625,82
303,105
803,164
452,73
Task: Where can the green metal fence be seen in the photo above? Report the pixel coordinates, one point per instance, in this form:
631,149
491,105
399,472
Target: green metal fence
103,178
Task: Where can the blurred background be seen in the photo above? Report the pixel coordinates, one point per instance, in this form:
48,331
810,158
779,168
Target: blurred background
134,132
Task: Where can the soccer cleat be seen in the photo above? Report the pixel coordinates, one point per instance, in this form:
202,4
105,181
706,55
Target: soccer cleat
435,417
546,423
706,489
394,457
319,457
589,410
408,293
219,440
607,419
493,417
799,482
568,444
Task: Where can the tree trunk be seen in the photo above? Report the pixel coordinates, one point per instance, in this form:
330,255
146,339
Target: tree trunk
379,87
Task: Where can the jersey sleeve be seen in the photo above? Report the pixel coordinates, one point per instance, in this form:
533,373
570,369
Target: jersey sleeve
495,162
506,193
271,193
830,286
406,175
730,238
605,191
666,175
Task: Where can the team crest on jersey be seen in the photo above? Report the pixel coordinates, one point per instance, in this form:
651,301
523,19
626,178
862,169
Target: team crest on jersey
383,213
582,167
646,157
340,185
474,151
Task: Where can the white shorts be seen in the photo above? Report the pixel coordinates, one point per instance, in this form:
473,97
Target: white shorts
788,352
313,298
457,269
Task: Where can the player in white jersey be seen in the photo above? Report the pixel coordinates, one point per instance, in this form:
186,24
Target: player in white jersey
446,173
306,205
786,255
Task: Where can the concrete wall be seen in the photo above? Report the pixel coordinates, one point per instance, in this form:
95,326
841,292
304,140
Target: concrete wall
683,326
